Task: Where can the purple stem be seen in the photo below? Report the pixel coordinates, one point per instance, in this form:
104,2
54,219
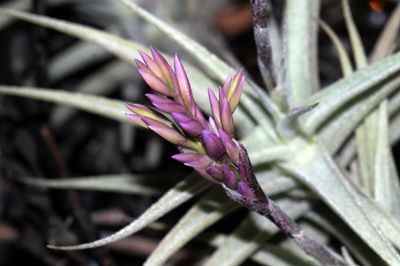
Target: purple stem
261,11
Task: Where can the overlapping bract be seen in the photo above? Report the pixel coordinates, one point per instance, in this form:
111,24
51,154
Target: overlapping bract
209,148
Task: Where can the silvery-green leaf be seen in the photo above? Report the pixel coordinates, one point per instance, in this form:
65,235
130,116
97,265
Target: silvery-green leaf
251,233
366,135
101,82
342,124
386,182
177,195
336,227
344,59
318,171
301,52
212,207
355,39
288,126
216,66
131,184
113,109
340,93
128,51
75,58
384,46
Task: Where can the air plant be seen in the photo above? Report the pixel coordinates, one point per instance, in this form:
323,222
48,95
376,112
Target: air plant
330,146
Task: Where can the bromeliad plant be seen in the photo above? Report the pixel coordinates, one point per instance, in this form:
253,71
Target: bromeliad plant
211,149
329,165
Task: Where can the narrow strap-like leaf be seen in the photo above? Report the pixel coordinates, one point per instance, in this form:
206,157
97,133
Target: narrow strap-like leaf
179,194
342,124
131,184
384,45
343,91
212,207
355,39
128,51
113,109
344,59
251,233
215,65
301,52
343,199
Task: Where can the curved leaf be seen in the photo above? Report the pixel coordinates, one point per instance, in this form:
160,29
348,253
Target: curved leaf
317,170
337,95
131,184
216,66
301,52
212,207
179,194
113,109
251,233
128,51
355,39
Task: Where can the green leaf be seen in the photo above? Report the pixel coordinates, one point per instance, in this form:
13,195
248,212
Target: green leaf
176,196
113,109
386,181
333,98
212,207
384,45
337,228
127,51
345,62
355,39
251,233
75,58
318,171
101,82
131,184
216,66
301,52
342,124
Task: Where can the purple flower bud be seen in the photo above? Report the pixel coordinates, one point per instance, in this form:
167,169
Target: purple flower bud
151,122
213,126
230,147
142,110
142,66
215,172
194,159
214,107
234,95
227,86
185,91
153,66
166,69
156,84
230,177
213,145
202,172
245,190
188,124
137,119
199,115
165,104
227,119
170,134
186,157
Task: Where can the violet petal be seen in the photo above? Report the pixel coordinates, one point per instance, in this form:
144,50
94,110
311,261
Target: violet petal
213,145
245,190
188,124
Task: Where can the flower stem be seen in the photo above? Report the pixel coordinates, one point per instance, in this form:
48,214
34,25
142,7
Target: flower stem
268,208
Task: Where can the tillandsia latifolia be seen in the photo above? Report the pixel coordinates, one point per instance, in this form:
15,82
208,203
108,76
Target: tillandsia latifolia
322,155
211,148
